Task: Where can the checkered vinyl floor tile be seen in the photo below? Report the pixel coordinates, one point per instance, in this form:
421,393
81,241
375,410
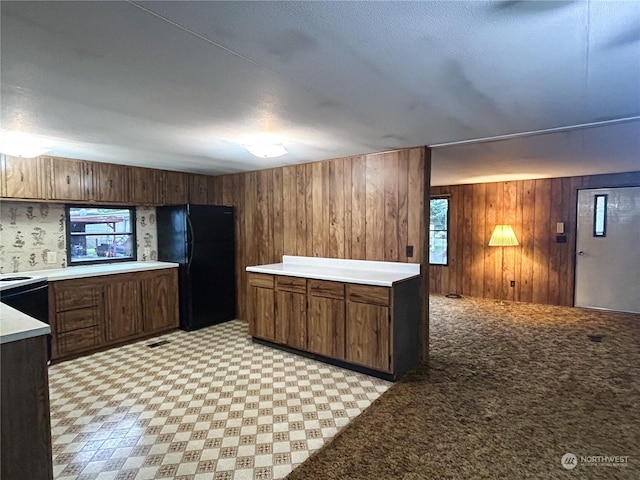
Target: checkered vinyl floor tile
209,404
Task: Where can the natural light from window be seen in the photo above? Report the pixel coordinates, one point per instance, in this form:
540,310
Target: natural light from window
438,231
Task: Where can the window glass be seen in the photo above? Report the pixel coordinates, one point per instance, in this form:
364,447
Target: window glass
99,234
438,231
600,216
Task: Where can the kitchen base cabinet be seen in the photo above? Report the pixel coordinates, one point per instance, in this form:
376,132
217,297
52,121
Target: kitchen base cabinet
123,304
290,308
325,319
367,328
90,314
25,426
262,306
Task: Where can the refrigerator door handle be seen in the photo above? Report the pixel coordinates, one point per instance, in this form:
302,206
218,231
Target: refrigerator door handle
189,242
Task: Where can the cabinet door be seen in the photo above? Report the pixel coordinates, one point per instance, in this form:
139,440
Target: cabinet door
123,309
326,326
110,183
22,177
70,179
367,335
291,319
141,185
173,188
160,301
262,313
198,189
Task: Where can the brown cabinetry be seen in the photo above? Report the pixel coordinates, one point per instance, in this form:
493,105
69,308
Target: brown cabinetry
368,327
325,320
110,183
123,309
91,313
291,311
159,301
261,306
141,186
25,424
171,187
371,327
22,177
199,189
78,316
68,179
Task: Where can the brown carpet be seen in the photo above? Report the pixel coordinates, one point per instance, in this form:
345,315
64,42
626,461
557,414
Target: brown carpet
509,391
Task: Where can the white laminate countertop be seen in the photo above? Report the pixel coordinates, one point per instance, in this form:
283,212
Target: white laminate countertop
15,325
365,272
82,271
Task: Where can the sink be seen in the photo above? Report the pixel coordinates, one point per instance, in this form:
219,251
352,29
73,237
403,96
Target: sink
13,279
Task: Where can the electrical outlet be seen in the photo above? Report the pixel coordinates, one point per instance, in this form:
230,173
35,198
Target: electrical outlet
513,283
52,257
409,250
147,252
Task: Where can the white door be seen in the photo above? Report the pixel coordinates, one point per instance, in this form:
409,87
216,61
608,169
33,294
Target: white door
608,249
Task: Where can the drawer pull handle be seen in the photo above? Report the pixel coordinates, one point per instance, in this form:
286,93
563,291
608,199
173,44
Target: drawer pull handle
68,180
21,176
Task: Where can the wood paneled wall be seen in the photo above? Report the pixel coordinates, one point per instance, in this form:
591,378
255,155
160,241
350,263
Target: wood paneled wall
543,269
367,207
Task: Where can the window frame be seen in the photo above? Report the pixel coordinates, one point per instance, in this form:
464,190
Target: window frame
446,230
69,236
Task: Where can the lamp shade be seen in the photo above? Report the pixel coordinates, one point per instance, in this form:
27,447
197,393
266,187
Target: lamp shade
503,236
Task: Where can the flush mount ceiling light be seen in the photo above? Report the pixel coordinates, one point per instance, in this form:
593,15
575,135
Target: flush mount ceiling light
266,150
19,144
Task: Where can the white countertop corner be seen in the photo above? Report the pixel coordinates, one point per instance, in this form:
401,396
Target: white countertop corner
15,325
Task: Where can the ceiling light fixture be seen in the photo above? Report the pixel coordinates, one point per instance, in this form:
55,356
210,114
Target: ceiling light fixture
266,150
19,144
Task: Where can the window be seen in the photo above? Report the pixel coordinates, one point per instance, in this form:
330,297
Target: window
438,231
600,216
97,234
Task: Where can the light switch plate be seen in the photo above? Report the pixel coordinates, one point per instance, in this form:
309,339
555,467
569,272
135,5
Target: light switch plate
52,257
560,227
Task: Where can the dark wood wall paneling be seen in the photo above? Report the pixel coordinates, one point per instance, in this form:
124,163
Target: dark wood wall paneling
367,207
543,269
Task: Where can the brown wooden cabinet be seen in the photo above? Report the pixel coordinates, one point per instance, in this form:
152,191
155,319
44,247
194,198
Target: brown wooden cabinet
291,311
171,188
88,314
141,186
68,179
123,304
110,183
371,327
77,310
159,301
261,306
368,326
199,189
25,423
22,177
325,319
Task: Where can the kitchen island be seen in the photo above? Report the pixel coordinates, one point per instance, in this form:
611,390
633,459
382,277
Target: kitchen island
363,315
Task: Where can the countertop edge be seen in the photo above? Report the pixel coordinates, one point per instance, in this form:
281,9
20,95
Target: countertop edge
16,325
332,278
71,275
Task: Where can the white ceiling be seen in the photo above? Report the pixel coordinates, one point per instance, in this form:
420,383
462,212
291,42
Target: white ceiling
182,85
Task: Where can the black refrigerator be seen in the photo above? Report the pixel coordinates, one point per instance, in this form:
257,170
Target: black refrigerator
201,239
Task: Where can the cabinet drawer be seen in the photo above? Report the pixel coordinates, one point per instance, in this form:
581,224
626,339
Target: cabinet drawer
79,318
368,294
291,284
327,289
79,340
74,296
261,280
